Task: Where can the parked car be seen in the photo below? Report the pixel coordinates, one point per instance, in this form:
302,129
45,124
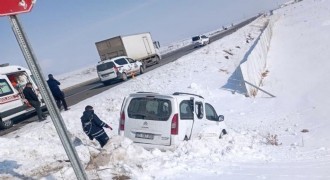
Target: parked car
118,68
161,121
200,40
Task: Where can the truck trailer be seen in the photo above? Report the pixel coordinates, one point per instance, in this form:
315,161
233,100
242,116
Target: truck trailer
137,46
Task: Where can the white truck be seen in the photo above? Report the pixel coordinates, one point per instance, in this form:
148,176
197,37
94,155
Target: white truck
137,46
12,102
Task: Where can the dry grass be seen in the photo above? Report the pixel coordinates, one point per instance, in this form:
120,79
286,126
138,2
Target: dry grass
272,140
120,177
264,74
224,70
304,130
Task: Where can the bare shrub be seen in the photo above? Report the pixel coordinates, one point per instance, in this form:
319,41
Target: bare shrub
224,70
272,140
304,130
264,74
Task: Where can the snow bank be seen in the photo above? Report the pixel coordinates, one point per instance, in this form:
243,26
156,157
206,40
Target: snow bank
265,139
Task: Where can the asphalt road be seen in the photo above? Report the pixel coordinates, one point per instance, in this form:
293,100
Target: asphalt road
86,90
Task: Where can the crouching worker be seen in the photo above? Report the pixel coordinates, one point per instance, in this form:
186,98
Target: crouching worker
93,126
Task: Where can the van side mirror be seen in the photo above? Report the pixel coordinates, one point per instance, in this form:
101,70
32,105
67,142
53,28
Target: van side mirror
221,118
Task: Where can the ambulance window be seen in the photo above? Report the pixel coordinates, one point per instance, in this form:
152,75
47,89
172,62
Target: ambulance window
5,88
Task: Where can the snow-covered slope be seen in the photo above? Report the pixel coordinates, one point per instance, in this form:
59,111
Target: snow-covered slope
297,63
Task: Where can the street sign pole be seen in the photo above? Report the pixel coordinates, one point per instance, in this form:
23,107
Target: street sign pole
48,98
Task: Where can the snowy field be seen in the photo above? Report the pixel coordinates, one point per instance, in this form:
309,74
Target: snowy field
297,119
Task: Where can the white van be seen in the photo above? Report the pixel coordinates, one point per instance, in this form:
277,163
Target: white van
12,101
118,68
161,121
200,40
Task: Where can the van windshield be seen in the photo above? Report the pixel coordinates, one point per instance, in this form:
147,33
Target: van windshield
150,109
196,38
5,88
105,66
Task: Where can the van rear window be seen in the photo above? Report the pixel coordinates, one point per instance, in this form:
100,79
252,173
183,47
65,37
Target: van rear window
105,66
150,109
5,88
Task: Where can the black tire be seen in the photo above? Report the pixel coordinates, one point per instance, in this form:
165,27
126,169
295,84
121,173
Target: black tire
141,70
157,59
223,132
7,124
106,83
124,77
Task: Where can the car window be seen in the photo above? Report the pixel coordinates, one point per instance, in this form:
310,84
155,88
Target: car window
185,110
196,38
150,109
131,60
121,61
105,66
5,88
204,36
199,110
211,114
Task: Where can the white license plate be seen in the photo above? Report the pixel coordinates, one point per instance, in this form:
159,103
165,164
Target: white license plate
144,136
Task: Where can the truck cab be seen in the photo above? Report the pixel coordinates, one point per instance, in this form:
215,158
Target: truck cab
12,102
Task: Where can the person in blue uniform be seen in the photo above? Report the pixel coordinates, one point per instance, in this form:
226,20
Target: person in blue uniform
93,126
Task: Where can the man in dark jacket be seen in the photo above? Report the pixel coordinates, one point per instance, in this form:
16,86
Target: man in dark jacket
93,126
32,98
56,91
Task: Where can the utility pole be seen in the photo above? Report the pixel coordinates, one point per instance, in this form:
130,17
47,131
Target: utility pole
47,97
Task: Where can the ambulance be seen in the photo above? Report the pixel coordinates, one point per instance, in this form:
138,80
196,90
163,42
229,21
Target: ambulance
12,102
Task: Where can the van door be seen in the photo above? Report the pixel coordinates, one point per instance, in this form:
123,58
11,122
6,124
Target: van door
124,65
206,124
187,119
148,120
106,70
198,118
135,67
11,104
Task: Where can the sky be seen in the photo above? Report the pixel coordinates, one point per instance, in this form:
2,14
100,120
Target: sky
63,33
298,116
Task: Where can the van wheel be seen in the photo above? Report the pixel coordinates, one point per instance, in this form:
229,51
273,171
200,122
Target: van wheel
7,124
157,59
223,132
141,70
124,77
106,83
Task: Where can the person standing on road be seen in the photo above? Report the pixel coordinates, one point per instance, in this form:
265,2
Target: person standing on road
93,126
57,93
32,98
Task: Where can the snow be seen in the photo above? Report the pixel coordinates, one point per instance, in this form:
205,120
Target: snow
298,65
